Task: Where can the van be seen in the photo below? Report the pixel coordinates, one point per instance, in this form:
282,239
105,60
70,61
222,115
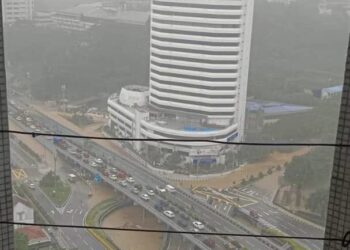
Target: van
170,188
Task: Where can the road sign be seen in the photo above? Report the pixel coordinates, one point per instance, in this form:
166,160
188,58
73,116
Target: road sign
97,178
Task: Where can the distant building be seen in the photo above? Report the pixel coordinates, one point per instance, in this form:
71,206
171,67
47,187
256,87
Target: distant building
43,19
14,10
37,237
84,16
326,93
22,211
327,7
270,109
281,1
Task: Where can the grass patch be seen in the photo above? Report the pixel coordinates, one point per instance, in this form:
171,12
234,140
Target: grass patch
55,189
92,219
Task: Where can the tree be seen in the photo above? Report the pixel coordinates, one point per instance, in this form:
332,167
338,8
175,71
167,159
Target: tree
21,241
318,202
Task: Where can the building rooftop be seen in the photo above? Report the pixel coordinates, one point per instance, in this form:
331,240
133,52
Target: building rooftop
275,108
334,89
34,234
18,199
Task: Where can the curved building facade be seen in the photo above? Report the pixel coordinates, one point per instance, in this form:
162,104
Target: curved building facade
199,61
199,56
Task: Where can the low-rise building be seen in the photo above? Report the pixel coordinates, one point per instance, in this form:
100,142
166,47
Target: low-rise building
14,10
22,211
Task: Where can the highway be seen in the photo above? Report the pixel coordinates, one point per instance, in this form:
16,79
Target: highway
220,221
72,214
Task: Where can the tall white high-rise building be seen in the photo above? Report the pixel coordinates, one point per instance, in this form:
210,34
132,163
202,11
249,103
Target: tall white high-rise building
199,65
200,57
14,10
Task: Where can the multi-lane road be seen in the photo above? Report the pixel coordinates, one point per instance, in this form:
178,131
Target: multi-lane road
184,198
72,214
216,219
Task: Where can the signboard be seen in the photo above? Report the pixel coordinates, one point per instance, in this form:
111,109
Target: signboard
97,178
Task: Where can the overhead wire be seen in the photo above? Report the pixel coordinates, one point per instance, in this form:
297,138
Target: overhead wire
277,144
345,241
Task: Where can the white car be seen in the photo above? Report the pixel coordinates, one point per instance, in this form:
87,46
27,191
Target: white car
170,188
198,224
99,161
169,214
93,164
145,197
123,183
32,186
28,119
160,189
18,118
32,127
113,177
150,192
130,180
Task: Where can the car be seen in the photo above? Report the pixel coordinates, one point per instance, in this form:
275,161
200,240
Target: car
169,214
72,151
170,188
19,118
37,130
145,197
160,189
32,186
150,192
93,164
135,190
114,170
198,224
32,127
86,160
123,183
113,177
99,160
28,119
130,180
86,154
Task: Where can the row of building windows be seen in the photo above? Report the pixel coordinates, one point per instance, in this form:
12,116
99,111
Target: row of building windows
181,84
196,42
193,93
197,24
197,103
196,5
197,33
208,70
187,110
195,60
201,15
200,78
196,51
190,138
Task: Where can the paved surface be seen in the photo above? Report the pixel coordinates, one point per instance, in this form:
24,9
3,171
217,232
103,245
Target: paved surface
143,175
72,214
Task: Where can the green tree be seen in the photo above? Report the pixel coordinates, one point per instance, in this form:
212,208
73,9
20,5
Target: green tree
318,202
21,241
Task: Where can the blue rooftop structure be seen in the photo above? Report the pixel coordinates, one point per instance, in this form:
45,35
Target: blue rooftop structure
275,108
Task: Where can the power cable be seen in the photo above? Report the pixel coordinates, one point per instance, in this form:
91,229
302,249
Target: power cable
345,240
277,144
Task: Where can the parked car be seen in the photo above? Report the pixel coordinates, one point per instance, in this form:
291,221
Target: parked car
145,197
